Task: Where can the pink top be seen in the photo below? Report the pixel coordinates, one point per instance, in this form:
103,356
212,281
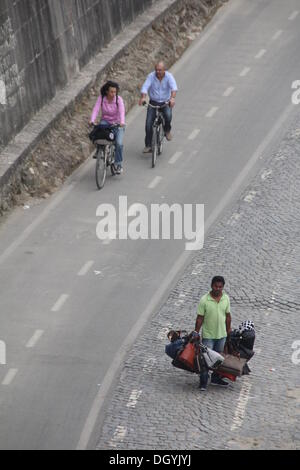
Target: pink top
111,112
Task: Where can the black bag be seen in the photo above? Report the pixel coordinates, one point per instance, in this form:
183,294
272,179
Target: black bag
242,343
99,132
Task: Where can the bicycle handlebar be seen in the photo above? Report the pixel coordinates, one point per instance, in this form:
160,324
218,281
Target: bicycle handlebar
156,107
110,126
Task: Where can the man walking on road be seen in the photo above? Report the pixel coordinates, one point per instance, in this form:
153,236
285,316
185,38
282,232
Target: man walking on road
161,87
215,319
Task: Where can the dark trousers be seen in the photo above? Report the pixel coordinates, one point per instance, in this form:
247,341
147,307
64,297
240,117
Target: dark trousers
151,113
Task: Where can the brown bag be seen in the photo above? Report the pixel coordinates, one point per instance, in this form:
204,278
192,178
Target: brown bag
187,356
232,365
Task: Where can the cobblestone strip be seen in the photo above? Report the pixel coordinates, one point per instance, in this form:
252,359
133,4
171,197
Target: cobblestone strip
256,247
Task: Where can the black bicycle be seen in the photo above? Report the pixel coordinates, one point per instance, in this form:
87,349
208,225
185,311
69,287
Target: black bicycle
105,156
158,132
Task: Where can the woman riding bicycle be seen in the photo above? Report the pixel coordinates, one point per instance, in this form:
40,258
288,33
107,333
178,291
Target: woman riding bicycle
112,113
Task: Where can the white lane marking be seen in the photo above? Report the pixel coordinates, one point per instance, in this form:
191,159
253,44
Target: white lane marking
250,196
97,273
182,261
150,363
164,331
228,91
293,15
273,297
179,303
32,342
155,182
214,26
3,98
118,436
245,71
133,399
269,310
10,376
241,406
85,269
61,301
234,218
260,54
266,174
277,34
175,157
193,134
212,111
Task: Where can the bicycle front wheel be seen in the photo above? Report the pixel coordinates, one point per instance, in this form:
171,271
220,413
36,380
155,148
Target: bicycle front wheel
101,167
160,139
154,146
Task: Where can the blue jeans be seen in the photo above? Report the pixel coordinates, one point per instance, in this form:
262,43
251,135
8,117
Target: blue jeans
151,113
119,133
218,346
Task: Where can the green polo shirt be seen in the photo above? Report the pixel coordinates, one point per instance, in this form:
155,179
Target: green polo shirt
214,313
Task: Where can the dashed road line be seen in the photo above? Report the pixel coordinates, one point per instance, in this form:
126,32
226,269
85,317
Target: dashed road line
175,157
149,365
250,196
163,332
193,134
155,182
228,91
277,34
245,71
37,335
59,304
85,269
212,111
260,54
293,15
133,399
10,376
241,406
118,437
266,174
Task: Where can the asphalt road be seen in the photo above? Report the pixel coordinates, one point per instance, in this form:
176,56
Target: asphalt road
69,301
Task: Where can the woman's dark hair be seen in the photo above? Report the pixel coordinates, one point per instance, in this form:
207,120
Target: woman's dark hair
104,89
218,279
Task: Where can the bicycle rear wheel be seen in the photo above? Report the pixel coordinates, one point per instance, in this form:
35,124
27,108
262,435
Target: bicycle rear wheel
101,167
154,146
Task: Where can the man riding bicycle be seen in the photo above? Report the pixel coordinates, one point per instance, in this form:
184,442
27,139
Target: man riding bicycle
161,87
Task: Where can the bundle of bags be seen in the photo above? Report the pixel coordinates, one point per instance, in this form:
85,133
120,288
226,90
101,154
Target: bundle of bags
190,354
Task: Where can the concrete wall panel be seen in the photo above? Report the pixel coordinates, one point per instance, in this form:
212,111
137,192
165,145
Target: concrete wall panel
44,43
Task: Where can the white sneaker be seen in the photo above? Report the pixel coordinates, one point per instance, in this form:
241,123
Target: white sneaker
147,150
